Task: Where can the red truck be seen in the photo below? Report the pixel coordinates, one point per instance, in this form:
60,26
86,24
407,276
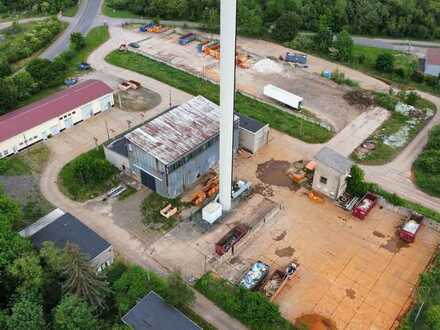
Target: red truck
364,206
231,238
412,225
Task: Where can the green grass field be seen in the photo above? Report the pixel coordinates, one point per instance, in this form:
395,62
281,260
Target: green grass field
277,119
110,12
71,11
95,38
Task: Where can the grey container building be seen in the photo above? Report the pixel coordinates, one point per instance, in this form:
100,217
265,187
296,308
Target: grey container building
253,134
432,62
171,152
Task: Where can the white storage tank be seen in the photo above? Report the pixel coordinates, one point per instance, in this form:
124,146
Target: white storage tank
212,212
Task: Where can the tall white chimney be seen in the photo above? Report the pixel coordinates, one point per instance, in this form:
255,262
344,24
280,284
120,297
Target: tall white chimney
228,27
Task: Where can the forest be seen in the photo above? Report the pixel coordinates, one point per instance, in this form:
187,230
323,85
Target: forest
34,6
393,18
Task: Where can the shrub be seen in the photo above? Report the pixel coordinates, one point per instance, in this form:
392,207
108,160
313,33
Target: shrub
385,63
251,308
88,175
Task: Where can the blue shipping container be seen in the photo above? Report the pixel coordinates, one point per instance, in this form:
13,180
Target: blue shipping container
296,58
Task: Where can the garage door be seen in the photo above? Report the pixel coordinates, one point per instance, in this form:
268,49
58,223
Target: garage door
87,112
54,130
106,103
68,123
148,180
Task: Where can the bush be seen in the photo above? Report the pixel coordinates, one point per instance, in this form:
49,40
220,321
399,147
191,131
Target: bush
385,63
386,101
251,308
87,176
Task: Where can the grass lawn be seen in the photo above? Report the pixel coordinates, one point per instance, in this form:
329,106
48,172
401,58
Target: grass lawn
385,153
88,188
71,11
110,12
26,162
95,38
277,119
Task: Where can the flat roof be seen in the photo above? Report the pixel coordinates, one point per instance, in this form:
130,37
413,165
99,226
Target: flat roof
23,119
433,56
178,131
62,228
152,313
334,160
250,124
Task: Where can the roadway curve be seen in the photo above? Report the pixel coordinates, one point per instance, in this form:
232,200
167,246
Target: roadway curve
82,22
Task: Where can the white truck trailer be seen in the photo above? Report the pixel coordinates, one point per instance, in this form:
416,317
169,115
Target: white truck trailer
283,96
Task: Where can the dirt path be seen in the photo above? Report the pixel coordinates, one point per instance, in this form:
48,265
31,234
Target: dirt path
79,139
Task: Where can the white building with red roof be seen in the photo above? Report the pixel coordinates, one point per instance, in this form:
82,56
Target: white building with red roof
432,62
51,115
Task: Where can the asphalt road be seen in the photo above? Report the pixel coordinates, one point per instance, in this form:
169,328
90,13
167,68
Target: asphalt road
82,22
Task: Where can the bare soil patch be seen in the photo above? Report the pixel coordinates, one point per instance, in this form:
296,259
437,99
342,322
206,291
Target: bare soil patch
315,322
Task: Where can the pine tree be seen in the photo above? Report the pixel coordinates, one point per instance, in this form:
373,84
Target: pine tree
82,279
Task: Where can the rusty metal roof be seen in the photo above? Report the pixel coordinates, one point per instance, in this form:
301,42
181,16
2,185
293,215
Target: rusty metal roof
178,131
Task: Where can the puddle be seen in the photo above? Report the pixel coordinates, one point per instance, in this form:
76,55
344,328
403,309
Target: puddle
285,252
378,234
274,172
280,237
315,322
394,244
235,260
350,293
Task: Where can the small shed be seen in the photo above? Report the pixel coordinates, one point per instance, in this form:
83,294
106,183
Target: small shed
152,312
432,62
62,228
331,173
253,134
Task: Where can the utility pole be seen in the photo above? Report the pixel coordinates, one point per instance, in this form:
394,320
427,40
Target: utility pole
228,32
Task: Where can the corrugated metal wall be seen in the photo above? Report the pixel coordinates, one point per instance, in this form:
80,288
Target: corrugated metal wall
185,176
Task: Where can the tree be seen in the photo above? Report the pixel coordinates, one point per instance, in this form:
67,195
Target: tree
53,257
73,313
286,26
27,270
344,46
82,279
211,20
8,95
433,317
40,70
5,68
178,293
385,63
356,183
25,84
78,41
26,314
324,36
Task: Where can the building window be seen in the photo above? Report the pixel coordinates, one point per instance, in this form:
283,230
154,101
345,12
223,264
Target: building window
323,180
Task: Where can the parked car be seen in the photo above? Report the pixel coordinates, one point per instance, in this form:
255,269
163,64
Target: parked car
134,45
85,66
253,278
231,238
70,81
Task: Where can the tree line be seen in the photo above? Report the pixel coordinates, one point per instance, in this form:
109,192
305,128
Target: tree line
415,19
35,6
57,288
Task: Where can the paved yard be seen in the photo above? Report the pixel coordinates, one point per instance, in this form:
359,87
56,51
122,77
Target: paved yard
322,97
356,273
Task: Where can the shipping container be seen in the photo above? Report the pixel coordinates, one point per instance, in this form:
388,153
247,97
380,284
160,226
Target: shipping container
231,238
412,225
365,205
187,38
296,58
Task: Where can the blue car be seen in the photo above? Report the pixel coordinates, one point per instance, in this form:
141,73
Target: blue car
84,66
70,81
